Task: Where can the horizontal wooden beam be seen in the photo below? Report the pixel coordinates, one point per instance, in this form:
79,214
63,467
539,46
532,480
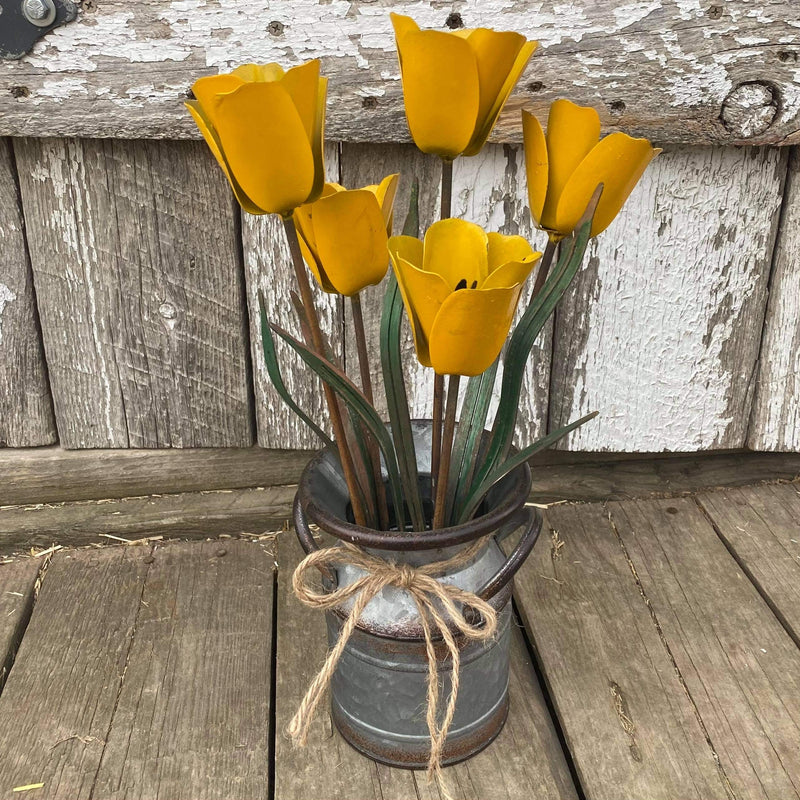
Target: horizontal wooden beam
672,70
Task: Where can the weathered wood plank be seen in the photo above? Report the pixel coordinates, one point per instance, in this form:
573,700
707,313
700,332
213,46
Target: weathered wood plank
53,475
192,514
525,761
53,731
775,424
627,720
760,525
17,580
669,69
193,714
740,667
268,268
133,246
26,410
661,331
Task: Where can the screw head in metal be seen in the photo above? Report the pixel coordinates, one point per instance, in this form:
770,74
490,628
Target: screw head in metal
39,12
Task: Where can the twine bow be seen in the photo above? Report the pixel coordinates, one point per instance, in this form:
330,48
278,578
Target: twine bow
425,590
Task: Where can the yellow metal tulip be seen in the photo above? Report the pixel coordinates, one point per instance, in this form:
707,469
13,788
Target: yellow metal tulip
343,235
565,167
265,126
460,287
455,84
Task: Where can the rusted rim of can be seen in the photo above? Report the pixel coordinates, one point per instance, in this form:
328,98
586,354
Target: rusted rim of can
513,499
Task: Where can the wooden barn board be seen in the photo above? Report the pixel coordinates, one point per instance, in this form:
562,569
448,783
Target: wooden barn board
268,268
26,411
190,514
760,525
775,424
192,718
525,761
661,330
53,731
17,581
138,280
738,664
631,728
673,70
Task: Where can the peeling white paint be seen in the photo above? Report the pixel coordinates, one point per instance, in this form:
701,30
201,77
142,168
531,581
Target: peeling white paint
631,13
6,297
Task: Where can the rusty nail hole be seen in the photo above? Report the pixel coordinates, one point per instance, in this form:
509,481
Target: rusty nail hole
190,94
535,86
275,28
20,91
617,107
787,55
672,510
369,102
148,559
715,12
454,21
221,552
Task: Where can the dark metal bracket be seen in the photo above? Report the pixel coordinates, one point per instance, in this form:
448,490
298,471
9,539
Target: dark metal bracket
24,22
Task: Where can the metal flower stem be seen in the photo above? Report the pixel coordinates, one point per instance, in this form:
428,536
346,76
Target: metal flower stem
318,343
366,386
438,380
440,505
544,266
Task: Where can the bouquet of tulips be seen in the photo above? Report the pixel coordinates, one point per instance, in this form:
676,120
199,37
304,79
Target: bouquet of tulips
458,285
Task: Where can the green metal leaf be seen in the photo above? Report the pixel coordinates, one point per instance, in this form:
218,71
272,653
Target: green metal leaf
476,496
411,225
274,372
356,402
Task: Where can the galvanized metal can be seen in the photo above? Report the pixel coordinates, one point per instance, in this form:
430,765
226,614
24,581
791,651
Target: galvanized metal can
379,689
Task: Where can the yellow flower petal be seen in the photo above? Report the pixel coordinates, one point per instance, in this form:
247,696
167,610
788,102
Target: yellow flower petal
386,191
470,329
402,25
536,164
265,145
252,73
409,248
423,295
512,273
617,162
206,89
302,84
457,250
501,57
351,240
504,248
440,87
317,140
213,144
572,131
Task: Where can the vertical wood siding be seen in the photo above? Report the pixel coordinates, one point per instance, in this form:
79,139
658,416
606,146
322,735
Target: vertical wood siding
139,284
26,412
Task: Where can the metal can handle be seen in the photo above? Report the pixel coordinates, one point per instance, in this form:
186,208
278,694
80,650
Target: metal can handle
301,527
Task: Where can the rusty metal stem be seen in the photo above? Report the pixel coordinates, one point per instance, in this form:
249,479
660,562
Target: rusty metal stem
544,267
318,343
447,451
366,385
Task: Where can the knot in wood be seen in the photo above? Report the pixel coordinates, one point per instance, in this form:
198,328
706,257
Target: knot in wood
750,108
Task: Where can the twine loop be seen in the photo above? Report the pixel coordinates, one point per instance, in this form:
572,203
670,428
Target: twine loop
436,605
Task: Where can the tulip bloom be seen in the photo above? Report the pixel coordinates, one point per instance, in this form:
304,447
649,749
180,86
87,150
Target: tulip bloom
460,287
455,84
566,166
265,126
343,235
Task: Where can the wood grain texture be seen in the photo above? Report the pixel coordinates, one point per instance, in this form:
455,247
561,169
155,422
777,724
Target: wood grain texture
134,254
192,514
268,268
525,761
17,579
760,526
53,731
775,424
674,70
627,720
661,330
26,410
193,713
739,665
53,475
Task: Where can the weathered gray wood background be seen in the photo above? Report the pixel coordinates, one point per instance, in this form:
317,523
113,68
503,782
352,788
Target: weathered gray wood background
128,277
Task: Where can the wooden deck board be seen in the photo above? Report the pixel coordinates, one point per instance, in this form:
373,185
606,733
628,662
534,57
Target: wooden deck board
739,665
627,720
17,581
525,761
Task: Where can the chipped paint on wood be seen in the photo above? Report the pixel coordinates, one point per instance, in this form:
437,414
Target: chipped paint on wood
661,68
6,297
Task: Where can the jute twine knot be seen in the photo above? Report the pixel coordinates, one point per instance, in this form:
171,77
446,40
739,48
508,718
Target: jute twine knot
436,604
